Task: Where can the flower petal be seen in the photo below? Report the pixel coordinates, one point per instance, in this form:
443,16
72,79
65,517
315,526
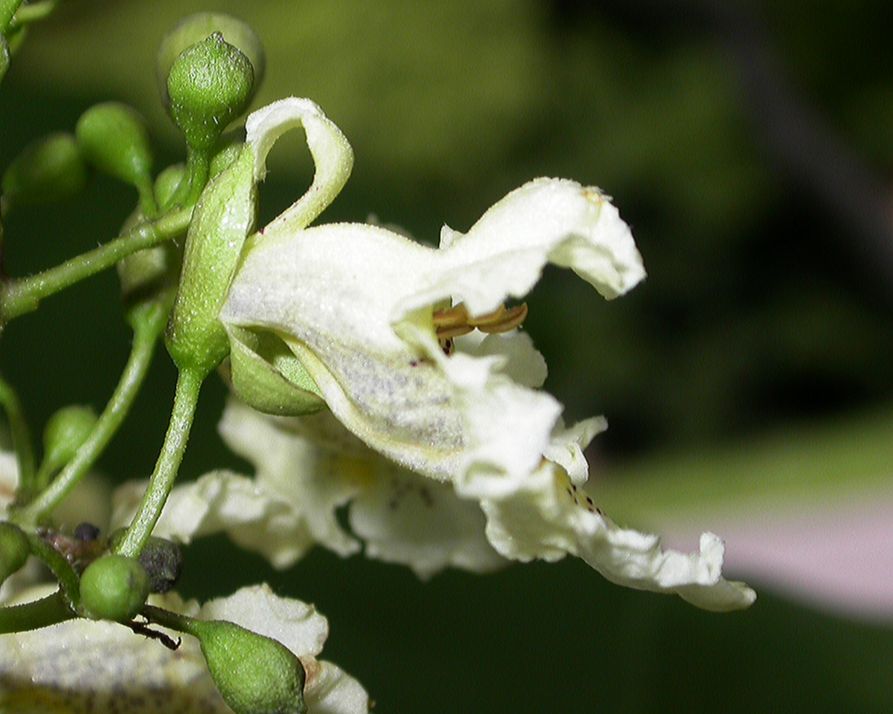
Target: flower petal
550,517
409,519
332,156
545,220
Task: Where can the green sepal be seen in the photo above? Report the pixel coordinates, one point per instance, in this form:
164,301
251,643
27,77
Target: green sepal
253,673
195,28
222,220
268,377
47,170
210,84
113,138
14,549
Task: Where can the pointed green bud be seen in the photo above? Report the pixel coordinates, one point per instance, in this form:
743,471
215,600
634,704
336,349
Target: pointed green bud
66,430
113,138
255,674
195,28
14,549
268,377
47,170
223,218
114,587
209,85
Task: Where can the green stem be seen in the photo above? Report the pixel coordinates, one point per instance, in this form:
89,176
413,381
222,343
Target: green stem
198,168
148,325
21,435
58,565
7,11
168,619
20,296
162,481
34,615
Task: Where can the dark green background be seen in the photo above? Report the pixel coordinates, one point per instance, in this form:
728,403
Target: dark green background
760,312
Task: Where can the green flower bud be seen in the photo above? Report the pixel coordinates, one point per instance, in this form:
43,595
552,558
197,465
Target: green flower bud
209,85
255,674
14,549
114,588
113,138
47,170
66,430
195,28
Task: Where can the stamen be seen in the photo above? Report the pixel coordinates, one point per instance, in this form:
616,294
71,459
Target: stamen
455,321
502,320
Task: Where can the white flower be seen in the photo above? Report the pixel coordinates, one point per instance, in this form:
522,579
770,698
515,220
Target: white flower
365,321
88,666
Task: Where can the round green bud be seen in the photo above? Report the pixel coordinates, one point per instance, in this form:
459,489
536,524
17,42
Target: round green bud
209,85
14,549
113,138
114,588
66,430
47,170
254,674
195,28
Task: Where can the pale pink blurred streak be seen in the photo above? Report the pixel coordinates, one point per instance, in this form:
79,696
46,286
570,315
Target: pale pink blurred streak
836,556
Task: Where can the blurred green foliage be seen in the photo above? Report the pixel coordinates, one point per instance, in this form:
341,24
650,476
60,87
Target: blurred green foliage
754,312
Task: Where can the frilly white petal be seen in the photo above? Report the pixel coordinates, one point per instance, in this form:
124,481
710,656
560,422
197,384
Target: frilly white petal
551,517
332,156
293,623
409,519
545,220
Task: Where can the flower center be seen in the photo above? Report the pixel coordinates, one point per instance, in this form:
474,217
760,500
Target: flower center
454,321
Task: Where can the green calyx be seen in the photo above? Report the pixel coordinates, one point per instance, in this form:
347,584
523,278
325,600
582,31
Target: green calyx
47,170
14,549
254,674
223,218
113,138
209,84
114,587
66,430
268,377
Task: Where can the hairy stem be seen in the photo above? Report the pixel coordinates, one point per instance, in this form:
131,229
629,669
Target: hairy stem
24,295
34,615
162,479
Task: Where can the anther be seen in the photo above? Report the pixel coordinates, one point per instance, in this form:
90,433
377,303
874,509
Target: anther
455,321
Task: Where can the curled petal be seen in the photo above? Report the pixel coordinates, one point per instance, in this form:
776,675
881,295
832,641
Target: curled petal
332,156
